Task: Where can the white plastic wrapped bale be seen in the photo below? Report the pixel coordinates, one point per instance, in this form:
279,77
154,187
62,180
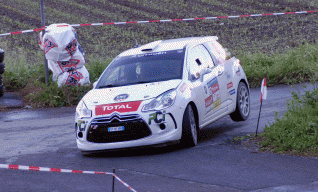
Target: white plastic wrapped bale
59,42
74,78
63,52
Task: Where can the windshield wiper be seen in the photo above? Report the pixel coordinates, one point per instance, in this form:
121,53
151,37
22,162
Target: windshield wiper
142,82
107,86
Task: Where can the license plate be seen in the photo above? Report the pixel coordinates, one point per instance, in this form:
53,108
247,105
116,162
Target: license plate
113,129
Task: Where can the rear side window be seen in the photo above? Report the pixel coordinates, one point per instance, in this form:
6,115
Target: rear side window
216,49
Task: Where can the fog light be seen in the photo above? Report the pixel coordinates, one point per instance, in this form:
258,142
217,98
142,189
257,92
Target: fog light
162,126
80,134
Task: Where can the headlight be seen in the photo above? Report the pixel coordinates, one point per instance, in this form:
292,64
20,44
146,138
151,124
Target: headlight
82,111
163,101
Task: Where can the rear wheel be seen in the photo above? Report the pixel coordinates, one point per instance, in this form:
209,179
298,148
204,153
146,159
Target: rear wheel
242,110
189,128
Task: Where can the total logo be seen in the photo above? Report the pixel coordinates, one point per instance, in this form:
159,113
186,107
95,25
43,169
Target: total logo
118,107
109,108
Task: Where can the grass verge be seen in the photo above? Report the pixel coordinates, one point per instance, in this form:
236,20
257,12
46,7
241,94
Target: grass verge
296,133
294,66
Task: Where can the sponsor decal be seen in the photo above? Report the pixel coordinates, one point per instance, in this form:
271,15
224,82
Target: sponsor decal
93,127
228,76
214,98
183,87
121,97
81,125
216,104
118,107
151,54
71,47
67,66
212,82
49,44
157,117
215,89
229,85
232,92
208,101
73,78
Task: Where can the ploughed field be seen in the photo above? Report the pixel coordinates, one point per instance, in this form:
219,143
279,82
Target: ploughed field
265,34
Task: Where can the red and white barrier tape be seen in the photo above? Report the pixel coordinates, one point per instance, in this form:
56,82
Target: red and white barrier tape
33,168
168,20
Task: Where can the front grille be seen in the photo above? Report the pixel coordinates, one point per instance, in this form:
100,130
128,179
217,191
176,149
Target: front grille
135,128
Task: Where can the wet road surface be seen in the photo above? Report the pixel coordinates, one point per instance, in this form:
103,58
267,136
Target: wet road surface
46,138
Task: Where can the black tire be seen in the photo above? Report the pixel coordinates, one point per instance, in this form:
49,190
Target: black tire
2,67
189,136
1,90
242,110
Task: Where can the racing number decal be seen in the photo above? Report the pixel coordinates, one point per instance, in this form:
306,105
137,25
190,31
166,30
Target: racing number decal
154,117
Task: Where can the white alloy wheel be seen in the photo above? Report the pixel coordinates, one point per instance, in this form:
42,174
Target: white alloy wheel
242,110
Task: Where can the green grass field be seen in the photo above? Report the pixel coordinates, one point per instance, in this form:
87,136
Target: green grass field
266,34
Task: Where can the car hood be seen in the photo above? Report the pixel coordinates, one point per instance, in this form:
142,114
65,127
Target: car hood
136,92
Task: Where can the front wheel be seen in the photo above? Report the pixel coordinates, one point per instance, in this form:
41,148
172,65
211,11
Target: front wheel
189,129
242,110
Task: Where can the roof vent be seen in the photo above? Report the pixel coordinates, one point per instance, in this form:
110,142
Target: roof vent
150,46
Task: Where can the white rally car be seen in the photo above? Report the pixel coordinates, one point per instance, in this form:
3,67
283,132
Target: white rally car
162,92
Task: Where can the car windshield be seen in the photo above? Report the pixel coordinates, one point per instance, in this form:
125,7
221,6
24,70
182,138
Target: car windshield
143,68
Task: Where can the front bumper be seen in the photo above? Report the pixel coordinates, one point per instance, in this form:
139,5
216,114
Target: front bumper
140,129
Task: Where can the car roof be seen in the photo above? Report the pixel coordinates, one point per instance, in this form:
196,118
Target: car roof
167,45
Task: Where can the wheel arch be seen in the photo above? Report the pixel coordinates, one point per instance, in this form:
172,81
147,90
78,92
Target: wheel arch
196,113
245,82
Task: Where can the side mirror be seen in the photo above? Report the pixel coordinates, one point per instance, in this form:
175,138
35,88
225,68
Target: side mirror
193,77
204,72
94,84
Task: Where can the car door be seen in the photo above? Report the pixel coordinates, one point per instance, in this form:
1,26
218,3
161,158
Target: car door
214,89
210,92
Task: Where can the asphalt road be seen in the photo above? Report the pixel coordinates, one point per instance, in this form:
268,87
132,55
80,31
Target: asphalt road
46,138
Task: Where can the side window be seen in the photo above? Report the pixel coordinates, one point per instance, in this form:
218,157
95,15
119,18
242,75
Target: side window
198,59
216,49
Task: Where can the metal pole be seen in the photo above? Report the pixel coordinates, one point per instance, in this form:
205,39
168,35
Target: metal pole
43,32
113,190
260,108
